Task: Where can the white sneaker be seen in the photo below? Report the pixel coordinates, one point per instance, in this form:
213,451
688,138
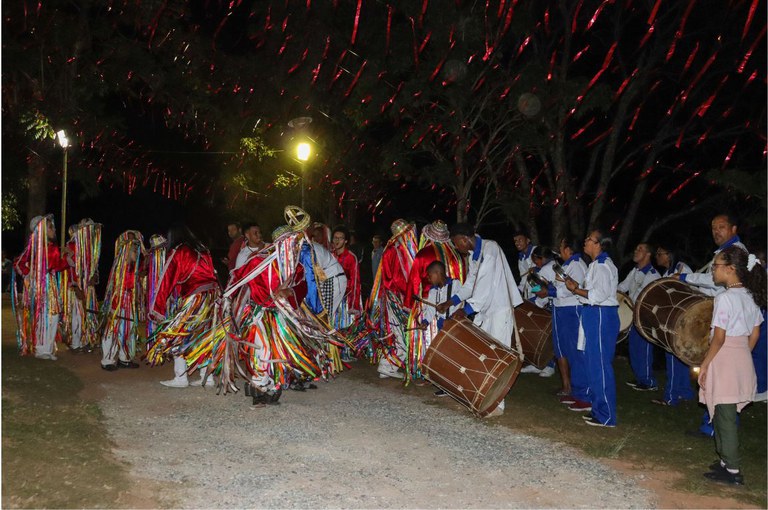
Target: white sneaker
208,384
530,369
53,357
176,383
547,372
761,397
45,356
393,375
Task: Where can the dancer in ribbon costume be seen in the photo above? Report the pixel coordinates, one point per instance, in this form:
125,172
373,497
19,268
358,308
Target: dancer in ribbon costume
352,304
434,245
121,308
277,341
81,303
37,314
154,263
386,312
183,306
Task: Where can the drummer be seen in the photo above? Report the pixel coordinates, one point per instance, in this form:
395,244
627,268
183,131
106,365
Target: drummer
489,291
640,349
678,386
542,270
600,326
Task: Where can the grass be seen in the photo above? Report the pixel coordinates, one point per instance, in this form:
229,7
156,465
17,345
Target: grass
648,436
56,453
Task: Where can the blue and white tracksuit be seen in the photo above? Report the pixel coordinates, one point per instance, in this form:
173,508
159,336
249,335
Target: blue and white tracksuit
640,349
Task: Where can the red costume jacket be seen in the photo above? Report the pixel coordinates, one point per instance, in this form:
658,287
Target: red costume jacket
351,268
394,274
418,274
187,271
234,249
267,282
56,262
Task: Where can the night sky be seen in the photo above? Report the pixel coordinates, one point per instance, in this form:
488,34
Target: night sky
158,95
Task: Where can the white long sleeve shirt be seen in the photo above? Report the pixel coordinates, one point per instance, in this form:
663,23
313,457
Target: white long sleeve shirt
489,287
524,264
637,280
576,268
601,282
702,279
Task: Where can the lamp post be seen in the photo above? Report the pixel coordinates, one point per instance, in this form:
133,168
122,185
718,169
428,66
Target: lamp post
303,151
61,136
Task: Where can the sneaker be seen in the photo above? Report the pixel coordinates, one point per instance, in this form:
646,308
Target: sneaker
496,412
176,383
43,356
580,407
393,375
567,399
441,393
53,357
547,372
641,387
717,466
725,476
127,364
210,383
594,423
530,369
109,368
761,397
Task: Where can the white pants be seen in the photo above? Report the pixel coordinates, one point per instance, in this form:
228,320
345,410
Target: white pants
76,323
112,350
46,335
180,369
500,325
385,366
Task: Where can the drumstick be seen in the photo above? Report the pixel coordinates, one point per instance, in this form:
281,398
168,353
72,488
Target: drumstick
422,300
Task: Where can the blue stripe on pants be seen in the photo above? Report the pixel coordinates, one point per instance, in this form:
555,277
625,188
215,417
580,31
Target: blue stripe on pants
760,358
678,385
601,328
565,330
641,358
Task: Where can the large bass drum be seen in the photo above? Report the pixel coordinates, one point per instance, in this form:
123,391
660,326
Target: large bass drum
471,366
534,325
676,317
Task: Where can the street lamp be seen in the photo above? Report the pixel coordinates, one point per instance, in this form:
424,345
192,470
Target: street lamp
303,151
61,136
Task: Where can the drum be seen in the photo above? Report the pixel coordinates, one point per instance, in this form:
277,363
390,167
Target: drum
535,327
625,315
674,316
472,367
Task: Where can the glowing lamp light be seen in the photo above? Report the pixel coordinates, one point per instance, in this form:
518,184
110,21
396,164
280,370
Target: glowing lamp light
62,138
303,151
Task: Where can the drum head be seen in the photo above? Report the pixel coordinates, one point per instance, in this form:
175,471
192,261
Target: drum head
692,333
625,313
500,388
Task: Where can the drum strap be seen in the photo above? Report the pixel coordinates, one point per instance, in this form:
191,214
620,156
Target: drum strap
518,345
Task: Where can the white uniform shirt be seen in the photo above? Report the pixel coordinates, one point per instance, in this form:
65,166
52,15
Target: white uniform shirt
601,280
637,280
439,295
546,272
679,267
702,279
489,287
245,253
577,270
736,312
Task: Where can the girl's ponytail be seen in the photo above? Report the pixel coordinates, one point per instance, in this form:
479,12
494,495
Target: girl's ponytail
750,272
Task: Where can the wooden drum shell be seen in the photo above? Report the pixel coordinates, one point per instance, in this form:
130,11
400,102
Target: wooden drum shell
534,325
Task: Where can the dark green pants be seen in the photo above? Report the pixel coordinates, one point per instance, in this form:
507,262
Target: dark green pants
727,435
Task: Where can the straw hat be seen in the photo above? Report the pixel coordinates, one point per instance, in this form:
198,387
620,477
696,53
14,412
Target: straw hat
400,226
436,231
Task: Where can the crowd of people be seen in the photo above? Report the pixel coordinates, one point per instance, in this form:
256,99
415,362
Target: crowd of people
293,311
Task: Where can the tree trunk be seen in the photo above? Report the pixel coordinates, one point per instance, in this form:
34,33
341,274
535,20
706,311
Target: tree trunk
36,187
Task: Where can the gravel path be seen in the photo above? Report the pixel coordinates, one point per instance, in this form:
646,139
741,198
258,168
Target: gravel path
349,444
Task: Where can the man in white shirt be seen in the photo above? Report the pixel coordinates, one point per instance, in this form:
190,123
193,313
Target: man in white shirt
489,291
253,244
640,350
524,249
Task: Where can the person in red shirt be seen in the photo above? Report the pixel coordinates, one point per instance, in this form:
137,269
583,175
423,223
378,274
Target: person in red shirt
38,313
235,233
352,304
188,281
385,306
122,304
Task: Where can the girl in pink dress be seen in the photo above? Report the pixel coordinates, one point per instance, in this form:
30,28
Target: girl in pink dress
727,377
